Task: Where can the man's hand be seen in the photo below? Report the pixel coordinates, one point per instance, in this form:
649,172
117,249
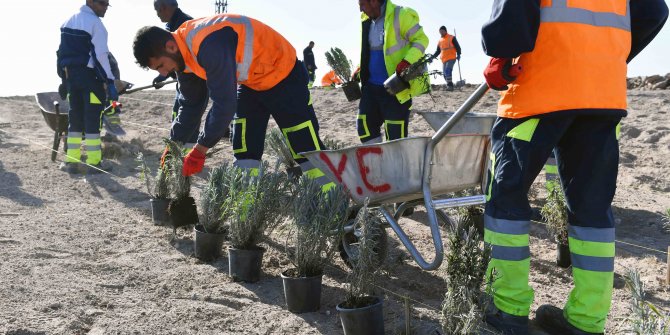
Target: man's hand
501,72
158,82
193,162
402,66
458,57
356,76
62,91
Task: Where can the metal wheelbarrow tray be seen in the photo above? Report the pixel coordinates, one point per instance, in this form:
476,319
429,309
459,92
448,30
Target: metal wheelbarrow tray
55,113
416,168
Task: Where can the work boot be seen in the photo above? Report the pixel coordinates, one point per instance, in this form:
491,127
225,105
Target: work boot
69,167
552,320
507,324
95,168
450,86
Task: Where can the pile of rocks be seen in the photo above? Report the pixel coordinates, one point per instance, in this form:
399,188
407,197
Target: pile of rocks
655,82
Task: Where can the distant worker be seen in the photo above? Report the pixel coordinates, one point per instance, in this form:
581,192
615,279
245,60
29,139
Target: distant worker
384,52
83,62
570,61
231,50
449,51
192,95
330,79
310,64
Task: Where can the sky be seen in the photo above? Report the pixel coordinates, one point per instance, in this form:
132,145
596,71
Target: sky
31,35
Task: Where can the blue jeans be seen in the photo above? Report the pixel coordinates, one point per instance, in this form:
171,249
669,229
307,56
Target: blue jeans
447,69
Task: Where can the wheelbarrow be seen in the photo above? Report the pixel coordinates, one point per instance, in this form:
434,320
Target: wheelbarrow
415,170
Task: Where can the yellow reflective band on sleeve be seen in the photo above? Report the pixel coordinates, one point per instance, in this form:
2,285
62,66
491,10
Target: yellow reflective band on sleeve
364,119
493,164
93,100
243,138
506,240
400,123
589,248
310,127
524,131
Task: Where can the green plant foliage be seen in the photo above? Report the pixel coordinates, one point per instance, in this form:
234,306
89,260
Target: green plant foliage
255,205
645,318
277,143
317,226
340,64
666,220
157,187
333,144
466,263
363,274
214,195
555,213
174,164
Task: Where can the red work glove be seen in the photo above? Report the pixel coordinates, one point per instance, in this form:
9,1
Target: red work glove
193,162
166,152
501,72
401,67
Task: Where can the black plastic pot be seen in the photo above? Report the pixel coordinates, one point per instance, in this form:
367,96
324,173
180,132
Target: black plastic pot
159,212
207,245
245,265
183,212
294,173
563,255
303,294
366,320
352,90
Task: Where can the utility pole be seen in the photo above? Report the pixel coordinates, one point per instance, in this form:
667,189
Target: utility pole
221,6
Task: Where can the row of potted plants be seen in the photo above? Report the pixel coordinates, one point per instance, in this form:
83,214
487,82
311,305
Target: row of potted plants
244,208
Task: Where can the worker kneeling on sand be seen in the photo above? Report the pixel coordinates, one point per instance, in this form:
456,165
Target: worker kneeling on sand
227,50
568,97
330,79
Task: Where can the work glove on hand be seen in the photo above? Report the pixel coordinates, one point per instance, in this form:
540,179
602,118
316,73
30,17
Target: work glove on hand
158,82
402,66
458,57
164,156
356,76
193,162
62,91
112,94
501,72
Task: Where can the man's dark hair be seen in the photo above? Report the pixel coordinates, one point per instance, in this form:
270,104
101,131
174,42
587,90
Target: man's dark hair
150,43
443,28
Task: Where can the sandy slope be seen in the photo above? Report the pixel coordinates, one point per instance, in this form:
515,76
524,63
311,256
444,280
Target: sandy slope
81,255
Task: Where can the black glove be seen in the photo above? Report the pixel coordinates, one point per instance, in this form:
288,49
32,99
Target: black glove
158,82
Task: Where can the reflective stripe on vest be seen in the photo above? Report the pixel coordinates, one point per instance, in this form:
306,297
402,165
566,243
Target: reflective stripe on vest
402,41
579,60
247,54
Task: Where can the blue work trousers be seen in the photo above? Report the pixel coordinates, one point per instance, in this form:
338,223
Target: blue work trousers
376,108
87,96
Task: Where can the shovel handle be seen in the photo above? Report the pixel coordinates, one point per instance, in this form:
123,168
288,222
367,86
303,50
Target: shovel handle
147,86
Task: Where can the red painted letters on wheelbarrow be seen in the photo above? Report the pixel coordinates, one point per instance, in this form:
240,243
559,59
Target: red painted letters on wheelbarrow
364,170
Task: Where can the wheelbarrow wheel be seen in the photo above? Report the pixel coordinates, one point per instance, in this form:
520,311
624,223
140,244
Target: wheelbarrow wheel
349,246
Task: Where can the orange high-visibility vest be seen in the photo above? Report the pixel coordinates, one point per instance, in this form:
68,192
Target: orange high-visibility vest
579,60
330,78
263,56
446,44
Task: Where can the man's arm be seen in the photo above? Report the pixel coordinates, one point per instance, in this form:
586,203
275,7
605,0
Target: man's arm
418,40
99,41
647,18
437,52
217,57
193,101
457,46
512,28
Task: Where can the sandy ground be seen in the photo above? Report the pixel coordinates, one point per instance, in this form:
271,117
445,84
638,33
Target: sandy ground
80,254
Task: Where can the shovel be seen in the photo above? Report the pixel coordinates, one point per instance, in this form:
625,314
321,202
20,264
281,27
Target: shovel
460,82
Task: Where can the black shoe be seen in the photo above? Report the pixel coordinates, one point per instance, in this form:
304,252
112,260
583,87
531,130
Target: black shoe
507,324
99,168
552,320
69,167
450,86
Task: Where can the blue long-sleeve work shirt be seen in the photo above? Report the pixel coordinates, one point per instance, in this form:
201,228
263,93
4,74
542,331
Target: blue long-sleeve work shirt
217,57
514,24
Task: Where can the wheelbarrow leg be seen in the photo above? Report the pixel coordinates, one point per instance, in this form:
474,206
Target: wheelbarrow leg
54,151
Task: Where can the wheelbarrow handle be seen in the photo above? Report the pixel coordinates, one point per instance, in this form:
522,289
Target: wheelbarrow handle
145,87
